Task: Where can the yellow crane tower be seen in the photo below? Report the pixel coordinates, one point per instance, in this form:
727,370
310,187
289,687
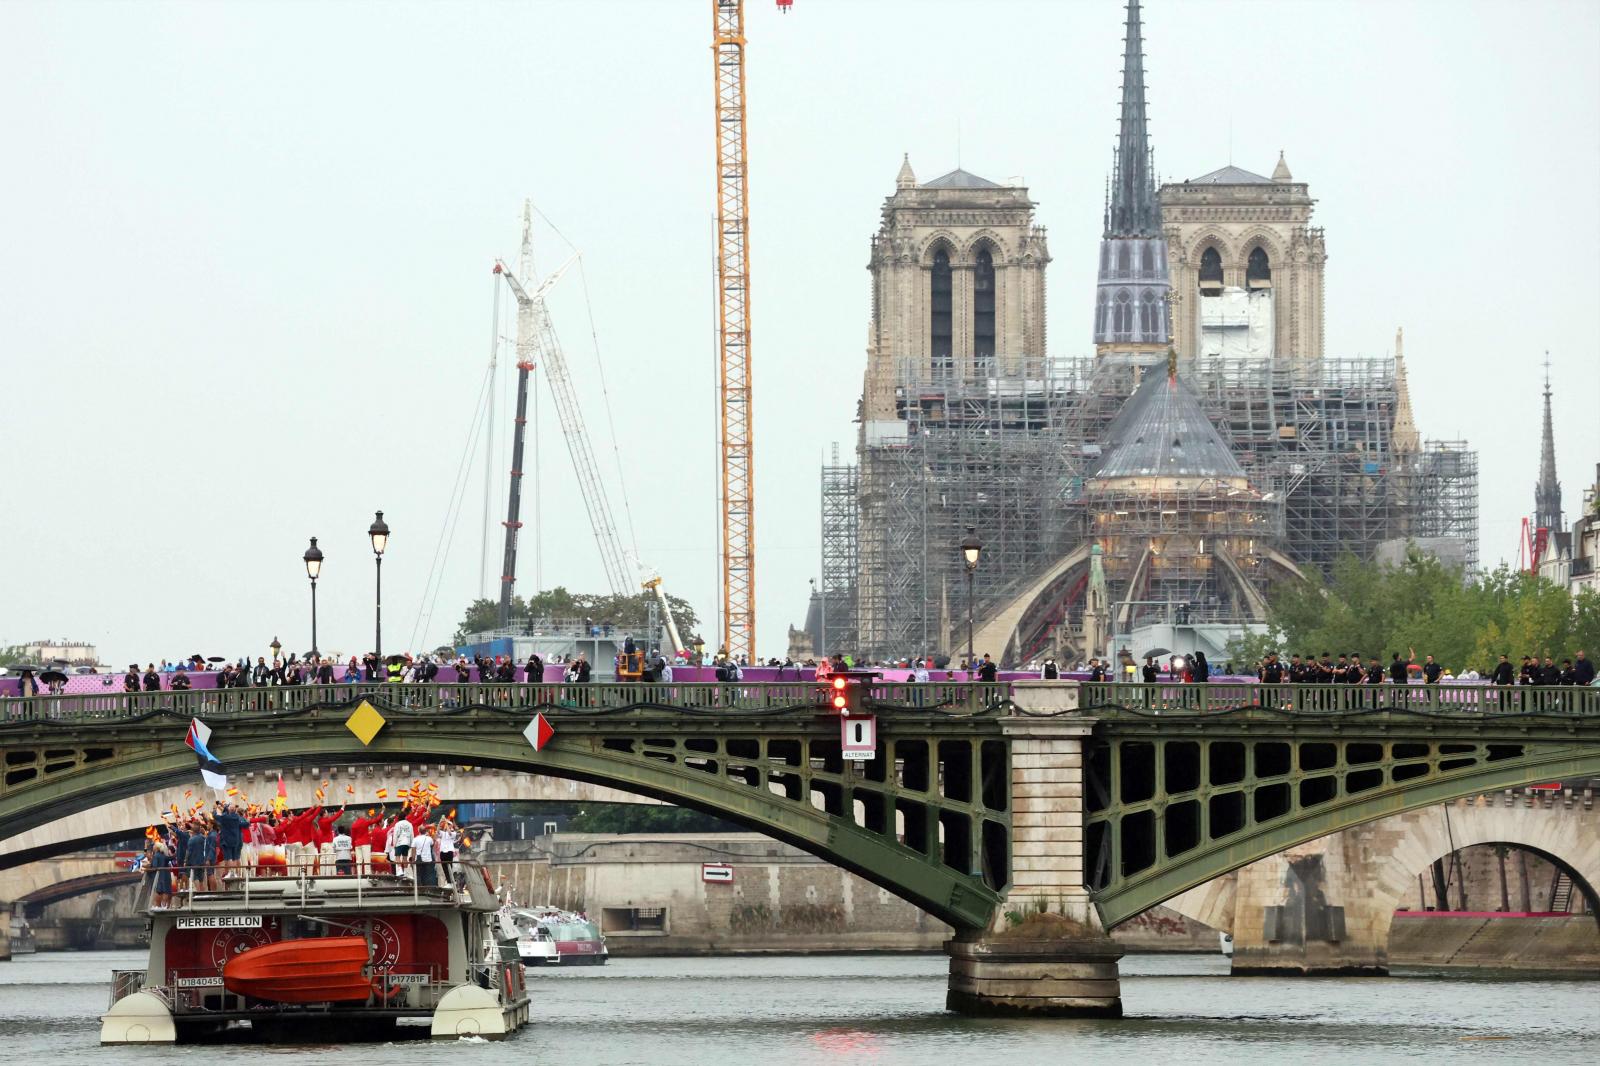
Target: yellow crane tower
733,304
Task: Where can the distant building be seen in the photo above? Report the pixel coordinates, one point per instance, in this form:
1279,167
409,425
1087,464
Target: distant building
74,652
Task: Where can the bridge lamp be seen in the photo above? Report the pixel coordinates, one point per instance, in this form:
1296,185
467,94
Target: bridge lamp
970,550
379,532
276,647
313,558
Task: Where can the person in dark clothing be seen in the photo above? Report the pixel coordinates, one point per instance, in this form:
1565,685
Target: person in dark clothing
130,680
1502,674
1569,676
180,680
1202,668
152,680
1582,670
1272,670
230,834
1431,671
1150,672
987,670
535,670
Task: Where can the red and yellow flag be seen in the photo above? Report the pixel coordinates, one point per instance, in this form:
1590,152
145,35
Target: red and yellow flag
383,793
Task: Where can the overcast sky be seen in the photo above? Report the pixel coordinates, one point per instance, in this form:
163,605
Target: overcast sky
245,249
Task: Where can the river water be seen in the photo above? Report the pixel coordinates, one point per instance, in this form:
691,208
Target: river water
888,1010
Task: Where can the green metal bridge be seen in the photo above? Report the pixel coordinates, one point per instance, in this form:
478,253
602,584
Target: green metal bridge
1179,784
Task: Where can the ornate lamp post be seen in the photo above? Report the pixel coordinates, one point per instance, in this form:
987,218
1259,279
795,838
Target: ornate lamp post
970,550
379,532
313,558
276,648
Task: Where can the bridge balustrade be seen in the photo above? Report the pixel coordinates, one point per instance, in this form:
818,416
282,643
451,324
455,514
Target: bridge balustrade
1314,700
692,698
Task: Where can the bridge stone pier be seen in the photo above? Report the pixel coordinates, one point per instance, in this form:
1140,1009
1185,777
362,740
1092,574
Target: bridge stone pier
1046,952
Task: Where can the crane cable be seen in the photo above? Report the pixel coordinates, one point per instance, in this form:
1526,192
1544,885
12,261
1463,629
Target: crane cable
452,514
605,392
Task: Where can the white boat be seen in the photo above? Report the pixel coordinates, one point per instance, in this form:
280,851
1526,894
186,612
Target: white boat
549,936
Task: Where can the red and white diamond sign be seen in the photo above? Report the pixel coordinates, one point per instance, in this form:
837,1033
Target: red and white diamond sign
539,732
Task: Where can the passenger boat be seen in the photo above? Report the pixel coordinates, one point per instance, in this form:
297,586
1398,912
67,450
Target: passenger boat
321,957
547,936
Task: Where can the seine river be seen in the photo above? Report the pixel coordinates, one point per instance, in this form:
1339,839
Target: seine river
887,1010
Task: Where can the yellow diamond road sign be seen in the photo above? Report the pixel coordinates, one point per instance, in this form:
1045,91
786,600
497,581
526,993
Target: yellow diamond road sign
364,722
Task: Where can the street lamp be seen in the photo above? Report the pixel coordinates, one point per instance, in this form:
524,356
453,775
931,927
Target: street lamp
970,549
276,648
699,651
313,559
379,532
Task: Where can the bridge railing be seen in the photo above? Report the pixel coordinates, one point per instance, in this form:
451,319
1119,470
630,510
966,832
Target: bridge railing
697,698
1312,700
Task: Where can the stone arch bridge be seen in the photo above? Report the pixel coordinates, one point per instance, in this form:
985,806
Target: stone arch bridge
1031,817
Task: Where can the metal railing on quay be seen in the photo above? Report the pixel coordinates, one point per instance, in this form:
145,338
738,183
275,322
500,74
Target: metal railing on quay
693,697
1459,700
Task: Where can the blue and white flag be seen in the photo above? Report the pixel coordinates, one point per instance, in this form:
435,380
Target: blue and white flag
210,767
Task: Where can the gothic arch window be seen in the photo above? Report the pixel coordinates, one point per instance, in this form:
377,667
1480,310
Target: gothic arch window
1102,311
983,298
1149,316
1147,260
1124,259
1211,268
1105,258
942,302
1258,269
1124,315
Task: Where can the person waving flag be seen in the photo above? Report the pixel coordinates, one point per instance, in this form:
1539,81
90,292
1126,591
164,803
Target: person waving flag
198,739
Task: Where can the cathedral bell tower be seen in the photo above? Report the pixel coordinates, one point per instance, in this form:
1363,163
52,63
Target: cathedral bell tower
957,285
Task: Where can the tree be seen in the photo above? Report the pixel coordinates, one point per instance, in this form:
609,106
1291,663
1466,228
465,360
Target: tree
558,605
1426,605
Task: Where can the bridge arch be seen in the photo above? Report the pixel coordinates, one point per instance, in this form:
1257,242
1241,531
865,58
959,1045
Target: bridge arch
781,775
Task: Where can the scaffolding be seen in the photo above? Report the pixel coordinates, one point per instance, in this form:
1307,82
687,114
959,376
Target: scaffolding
986,452
1445,479
834,629
1013,455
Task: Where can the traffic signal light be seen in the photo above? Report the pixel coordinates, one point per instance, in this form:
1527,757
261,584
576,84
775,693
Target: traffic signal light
846,696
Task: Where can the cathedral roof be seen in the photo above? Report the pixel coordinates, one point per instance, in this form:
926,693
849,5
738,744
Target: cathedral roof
960,179
1230,175
1162,432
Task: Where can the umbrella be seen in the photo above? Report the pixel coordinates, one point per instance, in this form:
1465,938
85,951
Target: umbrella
397,659
215,659
51,677
83,670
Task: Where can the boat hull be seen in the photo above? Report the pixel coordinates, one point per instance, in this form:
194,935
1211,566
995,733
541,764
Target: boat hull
313,970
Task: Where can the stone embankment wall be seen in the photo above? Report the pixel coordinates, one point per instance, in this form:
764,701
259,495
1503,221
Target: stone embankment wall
1566,943
649,894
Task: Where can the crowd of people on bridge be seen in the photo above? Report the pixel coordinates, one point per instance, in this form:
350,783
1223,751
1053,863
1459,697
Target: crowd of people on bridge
209,849
1351,669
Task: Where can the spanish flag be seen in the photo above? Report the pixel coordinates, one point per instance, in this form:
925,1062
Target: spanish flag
383,793
318,793
233,792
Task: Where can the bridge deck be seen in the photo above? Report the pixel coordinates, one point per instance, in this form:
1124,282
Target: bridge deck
1111,701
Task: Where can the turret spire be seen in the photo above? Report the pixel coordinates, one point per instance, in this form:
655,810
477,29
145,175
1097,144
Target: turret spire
1134,212
1547,494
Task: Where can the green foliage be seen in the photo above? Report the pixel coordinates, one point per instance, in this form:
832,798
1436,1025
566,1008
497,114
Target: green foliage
642,818
624,612
1424,606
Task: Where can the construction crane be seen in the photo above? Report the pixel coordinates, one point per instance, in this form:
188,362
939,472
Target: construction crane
733,307
536,342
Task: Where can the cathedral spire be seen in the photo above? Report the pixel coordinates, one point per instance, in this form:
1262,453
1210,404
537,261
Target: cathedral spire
1134,212
1547,494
